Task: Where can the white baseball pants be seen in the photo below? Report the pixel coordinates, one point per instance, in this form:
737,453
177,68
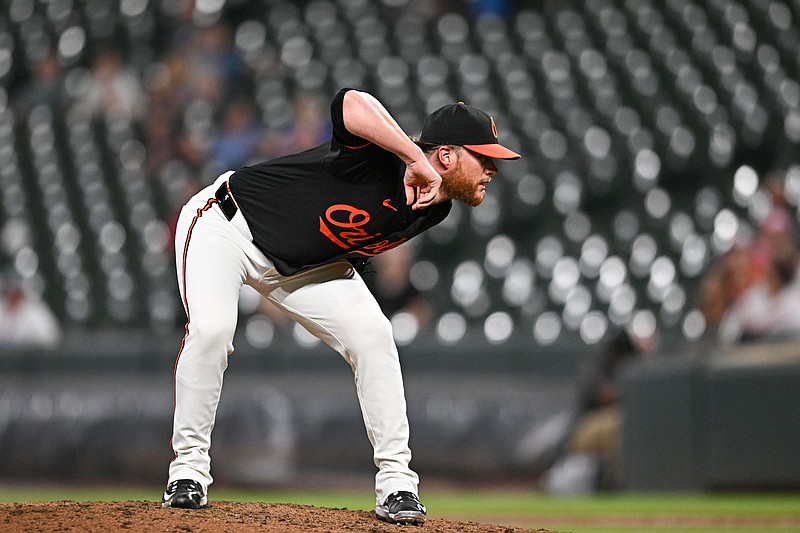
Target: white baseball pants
214,258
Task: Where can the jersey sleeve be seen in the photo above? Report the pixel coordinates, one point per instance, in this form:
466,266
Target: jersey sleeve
352,158
340,134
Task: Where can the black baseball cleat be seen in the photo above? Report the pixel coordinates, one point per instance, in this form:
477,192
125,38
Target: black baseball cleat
185,493
402,507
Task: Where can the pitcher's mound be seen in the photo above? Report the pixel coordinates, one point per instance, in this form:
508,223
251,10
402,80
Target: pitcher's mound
218,516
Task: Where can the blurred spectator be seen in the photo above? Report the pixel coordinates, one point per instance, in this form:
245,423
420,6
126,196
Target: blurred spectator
187,90
160,132
592,450
166,94
739,274
308,128
239,136
769,309
747,293
25,320
715,297
775,226
45,87
728,277
229,142
114,90
212,66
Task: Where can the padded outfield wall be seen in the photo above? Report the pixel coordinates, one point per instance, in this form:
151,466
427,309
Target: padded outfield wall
102,412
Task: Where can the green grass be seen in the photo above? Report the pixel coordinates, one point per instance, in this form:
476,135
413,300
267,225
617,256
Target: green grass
622,513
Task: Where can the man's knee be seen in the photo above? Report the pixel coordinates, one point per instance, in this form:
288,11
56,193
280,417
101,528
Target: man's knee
212,335
377,332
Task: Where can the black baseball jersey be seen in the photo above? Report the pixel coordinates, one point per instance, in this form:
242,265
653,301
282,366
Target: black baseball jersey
340,200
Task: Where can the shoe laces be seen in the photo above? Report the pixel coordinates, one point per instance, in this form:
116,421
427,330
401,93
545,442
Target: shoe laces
189,484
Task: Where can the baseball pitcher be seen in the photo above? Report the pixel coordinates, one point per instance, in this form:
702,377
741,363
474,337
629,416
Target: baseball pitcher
296,228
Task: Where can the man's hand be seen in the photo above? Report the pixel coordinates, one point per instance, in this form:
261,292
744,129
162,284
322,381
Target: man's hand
422,184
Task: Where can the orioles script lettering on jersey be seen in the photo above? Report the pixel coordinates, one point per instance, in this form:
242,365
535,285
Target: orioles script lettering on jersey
351,234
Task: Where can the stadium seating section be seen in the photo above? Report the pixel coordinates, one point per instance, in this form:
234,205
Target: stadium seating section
647,130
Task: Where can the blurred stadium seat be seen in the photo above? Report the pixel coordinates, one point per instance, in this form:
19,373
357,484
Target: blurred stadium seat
632,115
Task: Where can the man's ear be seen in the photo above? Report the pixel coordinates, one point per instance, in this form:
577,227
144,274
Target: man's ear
445,156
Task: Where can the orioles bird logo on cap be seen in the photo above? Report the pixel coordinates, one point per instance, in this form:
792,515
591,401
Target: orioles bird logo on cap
494,128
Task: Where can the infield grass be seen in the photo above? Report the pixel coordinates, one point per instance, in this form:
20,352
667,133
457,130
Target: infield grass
617,513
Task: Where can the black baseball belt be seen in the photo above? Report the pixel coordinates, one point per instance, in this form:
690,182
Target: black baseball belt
225,200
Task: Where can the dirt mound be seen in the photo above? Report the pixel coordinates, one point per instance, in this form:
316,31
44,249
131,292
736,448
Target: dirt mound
218,516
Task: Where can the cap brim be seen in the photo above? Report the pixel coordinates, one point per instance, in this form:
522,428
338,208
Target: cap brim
495,151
